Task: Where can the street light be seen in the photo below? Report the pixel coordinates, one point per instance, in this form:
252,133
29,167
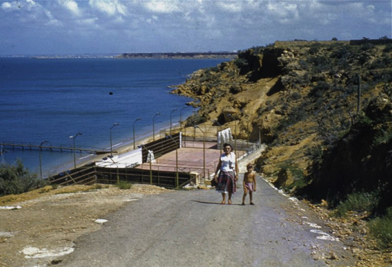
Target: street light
220,143
74,137
204,150
134,143
235,132
40,158
153,126
181,116
181,124
171,119
111,146
177,146
193,122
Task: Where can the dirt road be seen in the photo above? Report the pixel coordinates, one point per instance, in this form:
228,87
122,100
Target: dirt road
191,228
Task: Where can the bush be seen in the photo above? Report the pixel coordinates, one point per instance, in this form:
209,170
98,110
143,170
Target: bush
124,185
381,228
359,202
16,179
388,48
319,89
315,48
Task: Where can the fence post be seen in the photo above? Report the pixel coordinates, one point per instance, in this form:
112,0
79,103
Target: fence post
150,171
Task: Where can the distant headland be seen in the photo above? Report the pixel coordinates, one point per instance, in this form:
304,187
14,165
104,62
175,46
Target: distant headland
169,55
179,55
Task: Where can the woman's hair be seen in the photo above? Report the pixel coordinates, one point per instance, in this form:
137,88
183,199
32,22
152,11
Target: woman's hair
226,144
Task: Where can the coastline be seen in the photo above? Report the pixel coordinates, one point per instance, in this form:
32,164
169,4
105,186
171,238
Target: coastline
94,110
119,148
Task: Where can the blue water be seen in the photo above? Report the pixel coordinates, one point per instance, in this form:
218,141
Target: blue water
53,99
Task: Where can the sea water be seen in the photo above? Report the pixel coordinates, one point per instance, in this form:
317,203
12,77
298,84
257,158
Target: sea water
49,100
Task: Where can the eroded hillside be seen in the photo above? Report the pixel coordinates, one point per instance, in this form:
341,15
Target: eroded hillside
323,108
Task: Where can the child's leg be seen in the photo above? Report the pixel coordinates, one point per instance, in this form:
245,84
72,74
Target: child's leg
244,196
251,196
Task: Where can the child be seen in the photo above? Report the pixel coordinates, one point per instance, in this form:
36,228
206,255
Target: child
249,183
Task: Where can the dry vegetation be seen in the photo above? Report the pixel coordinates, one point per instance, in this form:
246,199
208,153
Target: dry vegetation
44,223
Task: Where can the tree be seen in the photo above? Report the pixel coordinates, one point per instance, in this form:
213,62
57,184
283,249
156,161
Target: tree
16,179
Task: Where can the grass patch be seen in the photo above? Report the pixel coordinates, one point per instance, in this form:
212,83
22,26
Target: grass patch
381,229
77,188
45,189
124,185
362,201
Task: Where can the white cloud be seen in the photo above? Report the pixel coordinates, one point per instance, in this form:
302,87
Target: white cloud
159,6
10,6
89,21
71,6
371,7
109,7
283,9
230,7
157,25
152,19
6,5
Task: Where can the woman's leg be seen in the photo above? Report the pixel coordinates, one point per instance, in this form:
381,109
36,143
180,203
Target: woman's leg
223,198
229,197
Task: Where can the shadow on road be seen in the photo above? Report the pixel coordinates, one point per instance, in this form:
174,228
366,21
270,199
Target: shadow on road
214,203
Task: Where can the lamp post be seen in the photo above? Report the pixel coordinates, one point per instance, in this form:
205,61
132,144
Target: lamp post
204,150
134,143
235,132
193,122
171,119
181,122
153,126
73,137
220,143
177,179
111,146
40,157
181,116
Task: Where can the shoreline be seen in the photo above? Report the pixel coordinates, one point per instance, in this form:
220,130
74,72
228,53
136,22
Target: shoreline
122,147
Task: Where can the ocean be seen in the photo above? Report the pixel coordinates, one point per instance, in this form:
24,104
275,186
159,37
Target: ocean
49,100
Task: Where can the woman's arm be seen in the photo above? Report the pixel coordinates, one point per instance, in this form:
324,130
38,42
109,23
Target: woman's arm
218,167
237,172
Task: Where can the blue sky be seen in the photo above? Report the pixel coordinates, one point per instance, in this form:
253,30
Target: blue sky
32,27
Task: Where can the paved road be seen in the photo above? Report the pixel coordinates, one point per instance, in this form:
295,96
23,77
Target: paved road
191,228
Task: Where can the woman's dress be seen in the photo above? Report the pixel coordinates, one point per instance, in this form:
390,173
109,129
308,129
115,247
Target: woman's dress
226,179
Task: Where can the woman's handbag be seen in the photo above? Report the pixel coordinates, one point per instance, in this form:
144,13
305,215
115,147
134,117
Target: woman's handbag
213,182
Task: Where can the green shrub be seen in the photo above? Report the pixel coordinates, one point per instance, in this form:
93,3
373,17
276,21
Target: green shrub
381,228
359,202
16,179
315,48
388,48
124,185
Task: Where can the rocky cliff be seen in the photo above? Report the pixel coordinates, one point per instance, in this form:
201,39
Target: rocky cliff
323,108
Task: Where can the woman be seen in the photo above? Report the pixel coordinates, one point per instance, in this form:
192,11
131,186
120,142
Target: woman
228,173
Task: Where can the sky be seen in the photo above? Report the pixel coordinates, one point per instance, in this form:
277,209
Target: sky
63,27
